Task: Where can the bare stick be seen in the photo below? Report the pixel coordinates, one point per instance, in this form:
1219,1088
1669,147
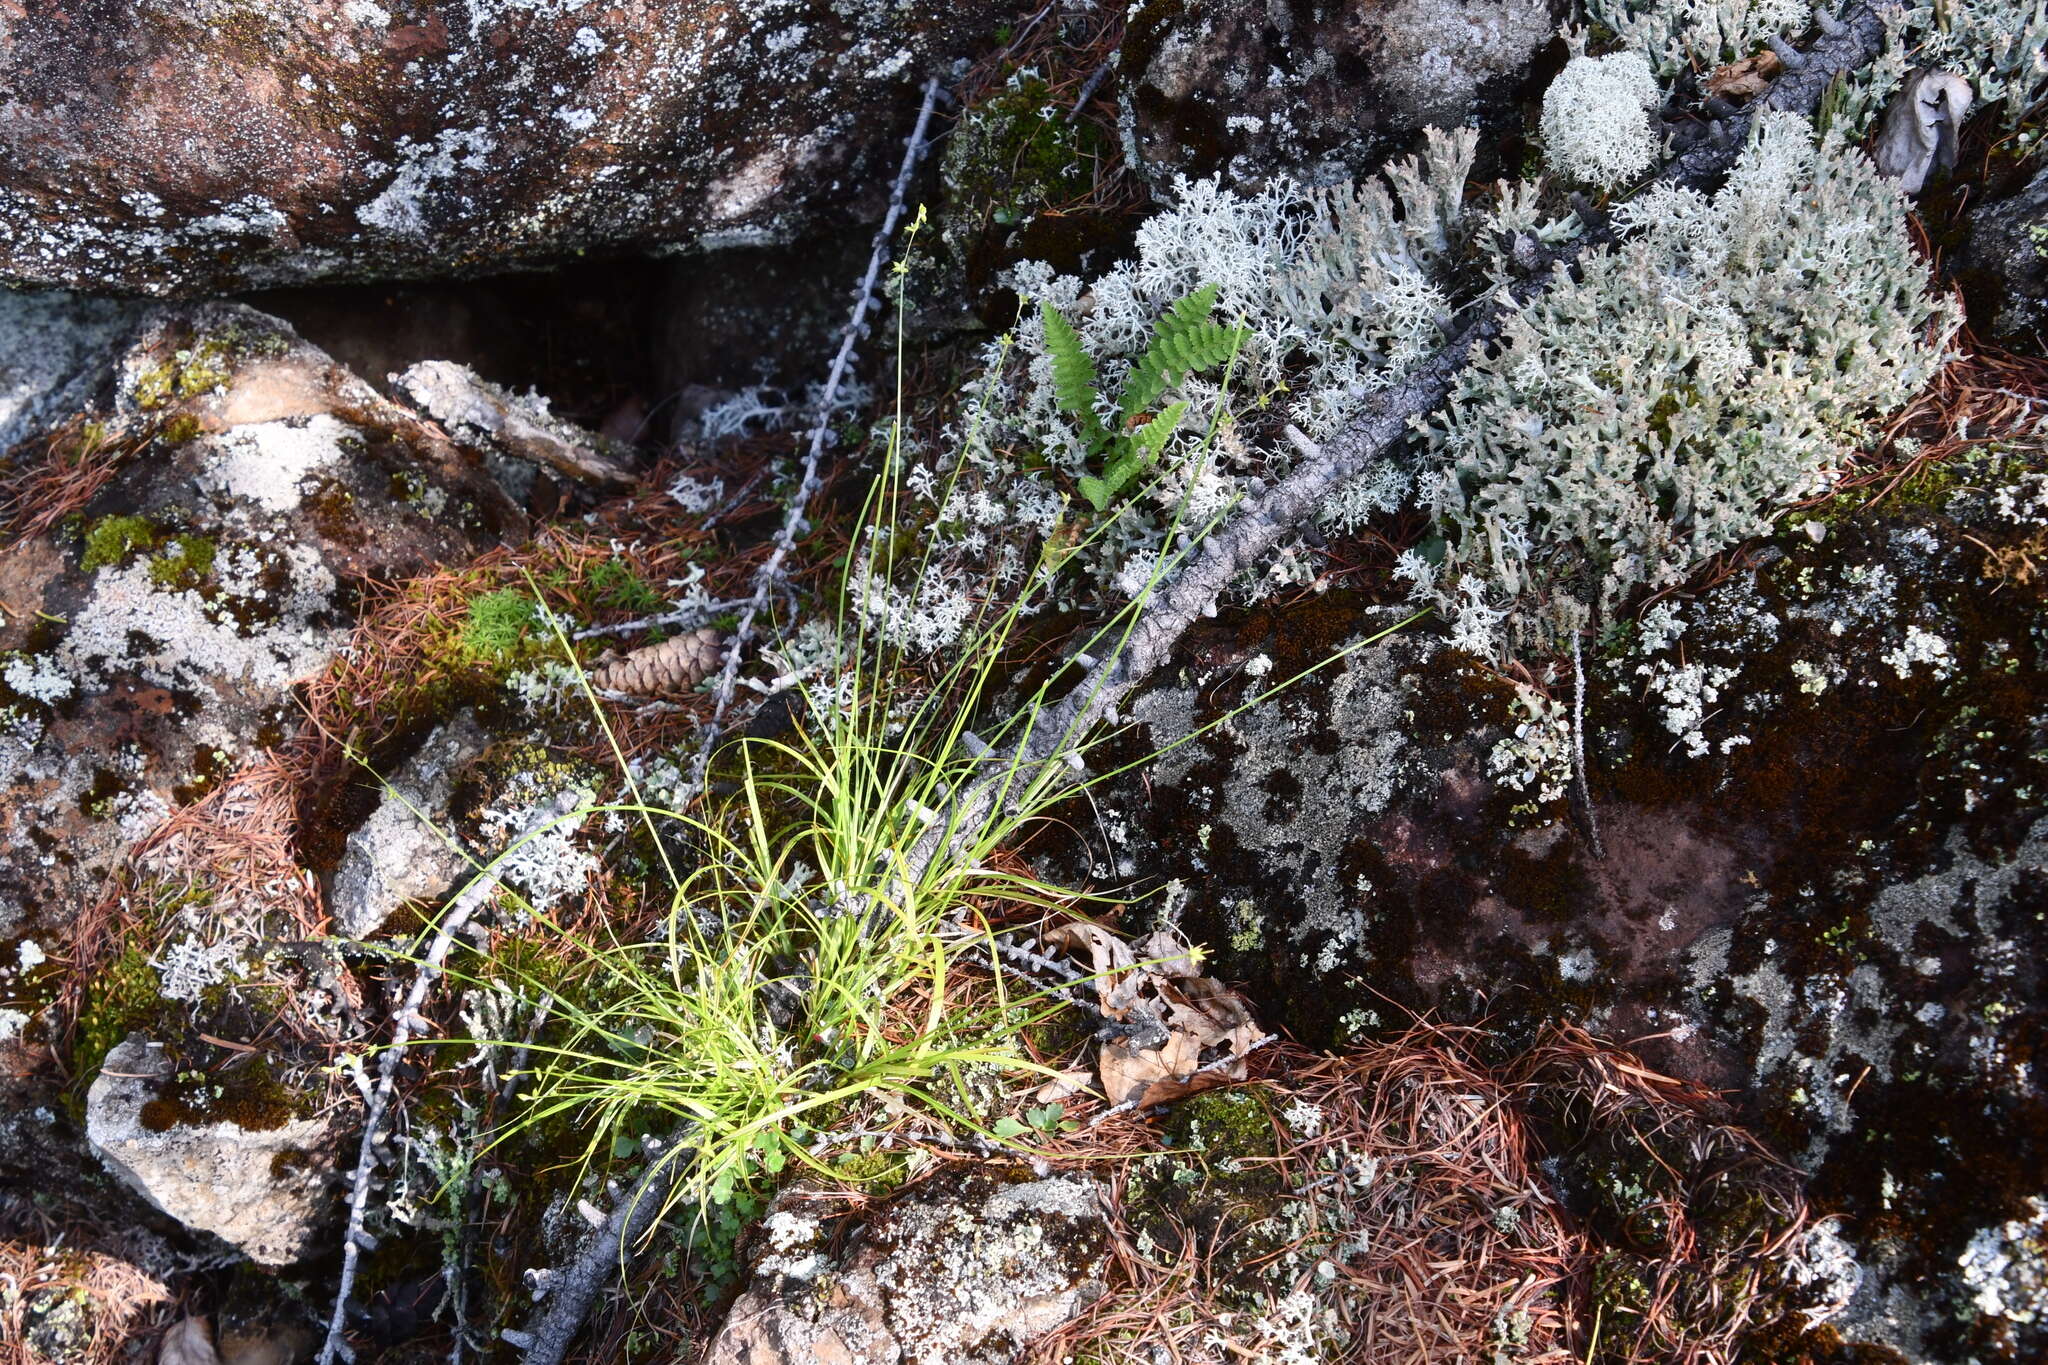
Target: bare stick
1579,744
572,1289
794,521
378,1100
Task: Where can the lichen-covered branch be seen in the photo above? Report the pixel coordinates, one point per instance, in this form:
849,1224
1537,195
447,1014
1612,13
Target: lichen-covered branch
377,1099
771,577
572,1289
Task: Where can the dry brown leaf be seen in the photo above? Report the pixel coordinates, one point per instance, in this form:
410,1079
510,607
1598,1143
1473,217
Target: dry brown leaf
1746,79
1107,955
665,670
189,1342
1066,1085
1208,1027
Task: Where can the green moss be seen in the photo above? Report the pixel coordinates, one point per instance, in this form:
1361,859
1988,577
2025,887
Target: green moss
112,541
1007,153
180,429
200,368
1223,1124
499,627
614,584
243,1091
184,563
1205,1195
124,997
1621,1286
878,1172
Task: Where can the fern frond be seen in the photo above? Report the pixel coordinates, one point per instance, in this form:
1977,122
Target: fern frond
1200,347
1149,440
1186,312
1184,342
1073,375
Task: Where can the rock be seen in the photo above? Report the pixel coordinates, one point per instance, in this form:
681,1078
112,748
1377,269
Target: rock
397,855
521,427
52,345
184,148
1318,92
966,1270
262,1192
251,489
1818,793
2005,264
57,1326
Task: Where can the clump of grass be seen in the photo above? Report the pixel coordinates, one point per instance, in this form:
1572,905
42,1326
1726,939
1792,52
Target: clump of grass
613,584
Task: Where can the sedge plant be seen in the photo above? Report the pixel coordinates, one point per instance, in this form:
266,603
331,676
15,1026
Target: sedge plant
814,968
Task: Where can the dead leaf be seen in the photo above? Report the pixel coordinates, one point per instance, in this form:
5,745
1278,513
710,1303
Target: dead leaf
190,1342
1063,1086
1746,79
1200,1030
1107,955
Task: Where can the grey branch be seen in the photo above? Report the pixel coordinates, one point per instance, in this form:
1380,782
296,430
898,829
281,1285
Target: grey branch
406,1020
770,577
572,1289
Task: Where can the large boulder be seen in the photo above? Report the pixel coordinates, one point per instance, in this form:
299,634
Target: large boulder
189,147
1813,870
1316,90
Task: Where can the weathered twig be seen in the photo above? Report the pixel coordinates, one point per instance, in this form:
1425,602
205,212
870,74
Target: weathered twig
377,1100
572,1289
1579,745
795,520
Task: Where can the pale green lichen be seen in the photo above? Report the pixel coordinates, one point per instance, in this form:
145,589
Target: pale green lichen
1662,405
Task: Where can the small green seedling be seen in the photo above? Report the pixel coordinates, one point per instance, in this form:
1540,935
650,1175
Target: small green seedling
1185,342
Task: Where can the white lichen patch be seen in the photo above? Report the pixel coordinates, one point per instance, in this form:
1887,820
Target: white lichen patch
1013,1252
36,677
535,822
2005,1268
1921,648
1537,756
188,967
182,639
268,463
1596,119
1823,1267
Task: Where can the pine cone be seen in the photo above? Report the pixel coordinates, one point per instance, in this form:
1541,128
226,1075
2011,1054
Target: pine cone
669,669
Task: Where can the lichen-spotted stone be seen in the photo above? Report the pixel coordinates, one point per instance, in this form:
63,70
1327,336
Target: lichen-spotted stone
189,147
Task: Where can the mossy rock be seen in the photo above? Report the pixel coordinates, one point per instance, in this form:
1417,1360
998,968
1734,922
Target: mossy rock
1210,1190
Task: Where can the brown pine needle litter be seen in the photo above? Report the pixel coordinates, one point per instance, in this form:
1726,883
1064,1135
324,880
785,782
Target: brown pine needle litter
1421,1189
